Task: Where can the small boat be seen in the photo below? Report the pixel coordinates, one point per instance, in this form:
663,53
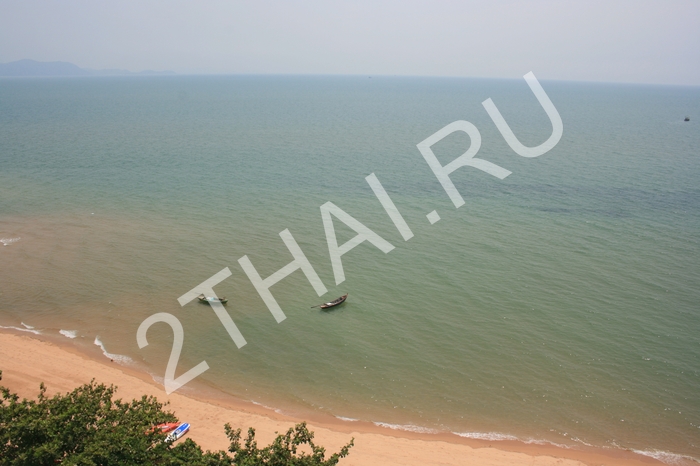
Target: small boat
687,119
177,433
333,303
211,299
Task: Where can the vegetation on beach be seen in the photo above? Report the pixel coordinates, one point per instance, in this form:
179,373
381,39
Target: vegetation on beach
88,427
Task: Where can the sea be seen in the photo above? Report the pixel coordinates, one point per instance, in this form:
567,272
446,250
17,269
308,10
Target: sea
560,304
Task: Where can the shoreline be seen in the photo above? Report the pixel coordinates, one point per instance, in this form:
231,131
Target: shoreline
28,359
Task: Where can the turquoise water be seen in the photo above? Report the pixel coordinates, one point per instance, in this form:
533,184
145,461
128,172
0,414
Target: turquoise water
559,304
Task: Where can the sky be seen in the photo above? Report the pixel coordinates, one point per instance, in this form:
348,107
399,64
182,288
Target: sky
637,41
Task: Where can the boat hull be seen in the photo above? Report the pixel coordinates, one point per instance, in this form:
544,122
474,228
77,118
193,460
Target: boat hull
335,303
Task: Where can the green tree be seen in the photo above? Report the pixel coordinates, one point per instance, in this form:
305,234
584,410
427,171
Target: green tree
87,427
283,451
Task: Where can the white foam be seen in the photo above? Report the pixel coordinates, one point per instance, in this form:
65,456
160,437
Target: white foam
24,329
485,435
346,419
157,379
120,358
533,441
8,241
278,411
69,333
667,457
407,427
26,326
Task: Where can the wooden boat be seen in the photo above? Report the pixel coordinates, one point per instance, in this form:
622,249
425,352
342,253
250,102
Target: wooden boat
334,303
211,299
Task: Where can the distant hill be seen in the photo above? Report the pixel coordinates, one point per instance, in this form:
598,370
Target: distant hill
61,68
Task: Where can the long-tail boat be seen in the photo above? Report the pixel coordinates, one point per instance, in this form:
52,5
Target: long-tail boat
211,299
333,303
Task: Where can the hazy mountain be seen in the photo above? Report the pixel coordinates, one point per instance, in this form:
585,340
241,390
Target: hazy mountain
61,68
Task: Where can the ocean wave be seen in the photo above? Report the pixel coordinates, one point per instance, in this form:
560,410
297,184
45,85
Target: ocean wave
407,428
26,328
667,457
346,419
486,435
8,241
69,333
120,358
278,411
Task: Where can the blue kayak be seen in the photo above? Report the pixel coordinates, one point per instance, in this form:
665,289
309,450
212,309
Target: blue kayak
179,432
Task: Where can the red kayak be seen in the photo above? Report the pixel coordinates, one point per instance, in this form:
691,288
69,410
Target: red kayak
166,427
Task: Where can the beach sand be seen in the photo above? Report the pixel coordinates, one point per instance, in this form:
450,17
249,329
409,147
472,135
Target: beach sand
27,361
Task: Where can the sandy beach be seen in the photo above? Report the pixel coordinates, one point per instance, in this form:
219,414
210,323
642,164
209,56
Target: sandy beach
27,361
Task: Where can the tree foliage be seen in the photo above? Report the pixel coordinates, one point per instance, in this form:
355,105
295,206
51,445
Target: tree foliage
283,451
87,427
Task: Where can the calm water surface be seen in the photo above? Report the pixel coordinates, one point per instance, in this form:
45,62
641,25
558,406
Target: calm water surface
560,304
